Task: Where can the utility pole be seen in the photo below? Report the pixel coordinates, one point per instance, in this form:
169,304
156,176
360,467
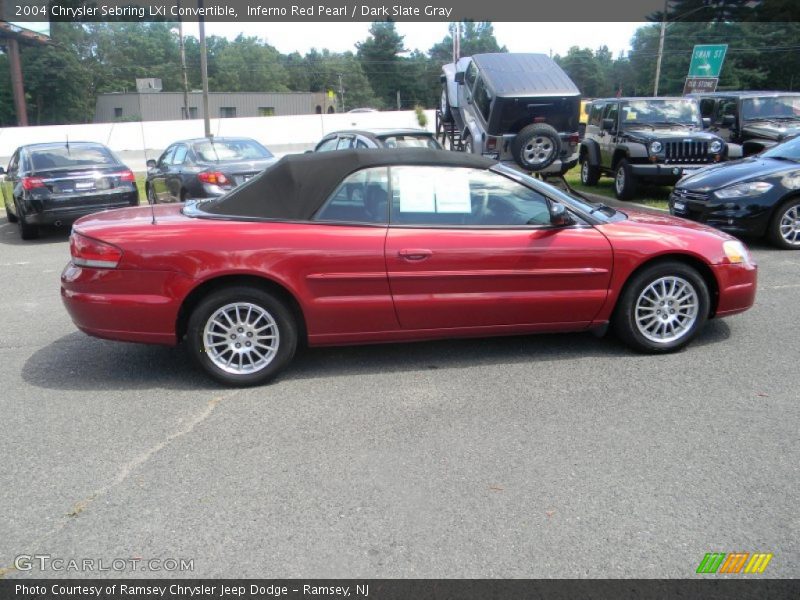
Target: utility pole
183,68
15,65
204,68
660,48
341,92
457,42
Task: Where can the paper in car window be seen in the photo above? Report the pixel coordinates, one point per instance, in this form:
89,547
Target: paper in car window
416,193
630,115
452,193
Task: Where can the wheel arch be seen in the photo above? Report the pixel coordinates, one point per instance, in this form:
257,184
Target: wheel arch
690,260
591,150
619,154
211,285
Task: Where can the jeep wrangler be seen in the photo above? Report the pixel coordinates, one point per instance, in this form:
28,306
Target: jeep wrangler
751,121
655,140
516,108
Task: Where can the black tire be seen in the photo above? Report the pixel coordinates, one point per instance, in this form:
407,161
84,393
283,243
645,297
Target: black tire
536,147
12,218
789,213
590,174
268,304
444,105
625,184
151,195
26,230
637,335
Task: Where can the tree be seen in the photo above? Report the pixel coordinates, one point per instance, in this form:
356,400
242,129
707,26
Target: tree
379,56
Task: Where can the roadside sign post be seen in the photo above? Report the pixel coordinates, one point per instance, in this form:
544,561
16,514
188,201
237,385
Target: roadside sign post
705,68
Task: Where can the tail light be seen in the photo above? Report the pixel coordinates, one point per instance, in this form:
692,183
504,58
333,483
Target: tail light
574,138
88,252
491,143
539,119
29,183
213,177
126,176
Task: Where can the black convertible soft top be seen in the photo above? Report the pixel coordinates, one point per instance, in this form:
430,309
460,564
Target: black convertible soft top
521,74
297,185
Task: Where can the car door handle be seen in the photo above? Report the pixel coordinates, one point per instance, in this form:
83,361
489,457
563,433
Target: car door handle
415,253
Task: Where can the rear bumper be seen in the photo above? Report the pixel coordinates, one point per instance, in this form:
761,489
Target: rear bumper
130,306
737,288
50,213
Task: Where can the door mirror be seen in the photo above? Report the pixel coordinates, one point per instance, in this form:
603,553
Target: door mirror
728,121
2,171
460,77
151,164
608,124
706,122
559,217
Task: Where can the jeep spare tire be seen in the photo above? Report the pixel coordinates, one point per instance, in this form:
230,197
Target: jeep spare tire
536,147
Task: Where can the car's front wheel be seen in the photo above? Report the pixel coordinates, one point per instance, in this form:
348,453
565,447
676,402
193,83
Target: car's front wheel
662,308
590,174
444,106
784,230
624,181
242,335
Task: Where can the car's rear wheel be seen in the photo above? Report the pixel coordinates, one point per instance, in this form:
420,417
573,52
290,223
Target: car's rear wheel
784,229
662,308
590,174
242,335
27,231
624,181
536,147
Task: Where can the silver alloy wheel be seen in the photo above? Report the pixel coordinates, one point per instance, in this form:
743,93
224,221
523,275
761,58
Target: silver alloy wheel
241,338
789,226
538,150
619,180
666,309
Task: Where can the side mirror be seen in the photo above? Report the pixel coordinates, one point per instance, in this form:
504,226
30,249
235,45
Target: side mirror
2,171
151,164
706,122
559,217
728,121
460,77
608,124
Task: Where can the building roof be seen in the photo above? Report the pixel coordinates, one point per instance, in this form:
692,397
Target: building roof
519,74
296,186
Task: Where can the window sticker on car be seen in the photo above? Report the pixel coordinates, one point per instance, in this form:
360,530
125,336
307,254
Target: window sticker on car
452,194
416,194
630,115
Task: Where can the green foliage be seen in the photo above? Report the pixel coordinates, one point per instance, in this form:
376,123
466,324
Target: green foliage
422,119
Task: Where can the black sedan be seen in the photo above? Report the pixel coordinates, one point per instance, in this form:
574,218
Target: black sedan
204,168
756,196
55,184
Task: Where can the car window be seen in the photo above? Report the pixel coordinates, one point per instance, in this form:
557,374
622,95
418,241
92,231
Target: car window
180,155
411,141
69,157
707,107
166,158
361,198
361,144
13,164
454,196
345,142
594,115
471,75
482,99
230,151
327,145
611,112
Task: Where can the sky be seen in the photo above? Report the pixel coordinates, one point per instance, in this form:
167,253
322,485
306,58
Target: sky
555,38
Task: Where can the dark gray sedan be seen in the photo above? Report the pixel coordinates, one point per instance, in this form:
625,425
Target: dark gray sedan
204,168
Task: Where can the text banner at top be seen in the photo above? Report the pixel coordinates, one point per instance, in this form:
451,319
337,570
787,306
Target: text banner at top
375,10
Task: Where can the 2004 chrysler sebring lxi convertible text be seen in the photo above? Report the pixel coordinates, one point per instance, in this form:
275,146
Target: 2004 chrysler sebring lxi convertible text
439,244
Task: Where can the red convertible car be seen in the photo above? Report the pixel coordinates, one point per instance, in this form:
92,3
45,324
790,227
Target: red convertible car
437,245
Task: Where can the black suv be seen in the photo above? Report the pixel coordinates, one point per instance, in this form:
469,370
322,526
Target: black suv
751,121
657,140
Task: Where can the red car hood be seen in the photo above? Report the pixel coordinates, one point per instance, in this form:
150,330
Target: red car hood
641,217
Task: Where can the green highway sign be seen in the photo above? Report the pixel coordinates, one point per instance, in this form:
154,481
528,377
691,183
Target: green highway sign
707,60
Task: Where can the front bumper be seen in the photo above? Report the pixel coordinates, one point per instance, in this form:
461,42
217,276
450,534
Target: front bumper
739,217
666,174
124,305
737,288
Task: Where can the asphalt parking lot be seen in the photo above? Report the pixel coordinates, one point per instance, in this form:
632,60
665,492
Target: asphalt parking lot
541,456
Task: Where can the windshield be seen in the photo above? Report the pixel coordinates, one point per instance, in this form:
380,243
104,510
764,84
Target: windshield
411,141
790,150
656,112
71,157
596,210
230,151
772,107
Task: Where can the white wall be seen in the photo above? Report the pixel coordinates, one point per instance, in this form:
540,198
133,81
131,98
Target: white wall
137,142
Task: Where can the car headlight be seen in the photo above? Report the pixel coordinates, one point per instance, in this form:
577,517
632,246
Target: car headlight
655,147
744,190
736,252
715,146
